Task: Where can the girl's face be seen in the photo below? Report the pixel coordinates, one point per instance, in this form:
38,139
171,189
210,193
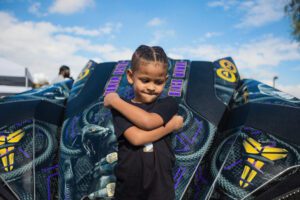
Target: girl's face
148,81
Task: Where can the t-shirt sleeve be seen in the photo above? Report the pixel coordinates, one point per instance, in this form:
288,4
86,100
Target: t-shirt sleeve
166,108
120,123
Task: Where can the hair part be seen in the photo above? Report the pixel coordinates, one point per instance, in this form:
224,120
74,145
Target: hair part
145,54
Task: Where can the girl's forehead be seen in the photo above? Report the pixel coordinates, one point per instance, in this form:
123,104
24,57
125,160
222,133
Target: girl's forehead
152,68
152,71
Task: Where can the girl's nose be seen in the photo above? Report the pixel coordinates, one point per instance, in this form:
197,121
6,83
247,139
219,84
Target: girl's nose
151,88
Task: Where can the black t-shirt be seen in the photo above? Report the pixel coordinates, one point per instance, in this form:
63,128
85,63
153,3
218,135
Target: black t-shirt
145,175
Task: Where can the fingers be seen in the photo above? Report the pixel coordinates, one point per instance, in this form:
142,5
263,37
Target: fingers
178,122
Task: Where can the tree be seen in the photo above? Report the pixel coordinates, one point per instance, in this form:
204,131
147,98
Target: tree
293,10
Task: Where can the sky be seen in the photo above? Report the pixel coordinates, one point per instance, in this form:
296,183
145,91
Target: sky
43,35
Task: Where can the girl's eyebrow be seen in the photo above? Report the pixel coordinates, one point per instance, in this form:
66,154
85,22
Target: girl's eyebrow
145,76
149,77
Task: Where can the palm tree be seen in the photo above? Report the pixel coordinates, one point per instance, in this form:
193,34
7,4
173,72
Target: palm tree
293,10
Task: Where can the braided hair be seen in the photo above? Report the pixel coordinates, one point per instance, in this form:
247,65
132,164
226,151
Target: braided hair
145,54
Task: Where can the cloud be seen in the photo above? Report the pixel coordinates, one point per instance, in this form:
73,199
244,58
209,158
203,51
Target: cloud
155,22
212,34
67,7
175,56
257,59
35,8
254,13
267,51
262,74
159,35
261,12
107,29
225,4
43,46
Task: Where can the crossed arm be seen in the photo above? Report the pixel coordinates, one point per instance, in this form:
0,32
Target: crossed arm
138,116
148,126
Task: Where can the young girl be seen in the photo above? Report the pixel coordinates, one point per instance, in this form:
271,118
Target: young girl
142,125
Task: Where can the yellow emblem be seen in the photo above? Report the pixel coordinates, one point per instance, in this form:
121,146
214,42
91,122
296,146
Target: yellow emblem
227,71
83,74
253,165
7,147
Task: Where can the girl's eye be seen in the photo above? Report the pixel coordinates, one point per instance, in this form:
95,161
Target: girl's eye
144,80
159,82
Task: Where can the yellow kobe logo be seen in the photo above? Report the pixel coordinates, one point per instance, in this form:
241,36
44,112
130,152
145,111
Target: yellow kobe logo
7,146
227,71
83,74
254,165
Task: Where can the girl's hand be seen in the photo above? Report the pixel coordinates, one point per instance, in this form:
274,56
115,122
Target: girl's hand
110,98
176,122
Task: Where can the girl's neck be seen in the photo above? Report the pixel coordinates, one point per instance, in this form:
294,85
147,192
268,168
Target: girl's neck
134,101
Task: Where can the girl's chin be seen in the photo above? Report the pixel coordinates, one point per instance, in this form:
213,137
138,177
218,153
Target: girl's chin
147,100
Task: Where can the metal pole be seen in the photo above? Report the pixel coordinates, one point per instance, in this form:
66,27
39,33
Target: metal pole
26,78
274,79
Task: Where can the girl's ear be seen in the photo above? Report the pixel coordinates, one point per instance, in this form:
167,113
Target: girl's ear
129,75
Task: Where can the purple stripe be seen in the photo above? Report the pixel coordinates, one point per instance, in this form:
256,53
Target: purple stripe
186,146
176,87
233,164
199,175
50,168
198,131
176,83
180,68
174,91
120,71
174,94
123,62
177,80
272,144
178,75
182,170
114,85
121,66
180,63
48,184
115,78
113,81
110,89
24,152
117,73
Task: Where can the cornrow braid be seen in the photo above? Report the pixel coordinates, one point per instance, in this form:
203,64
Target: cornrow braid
145,54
